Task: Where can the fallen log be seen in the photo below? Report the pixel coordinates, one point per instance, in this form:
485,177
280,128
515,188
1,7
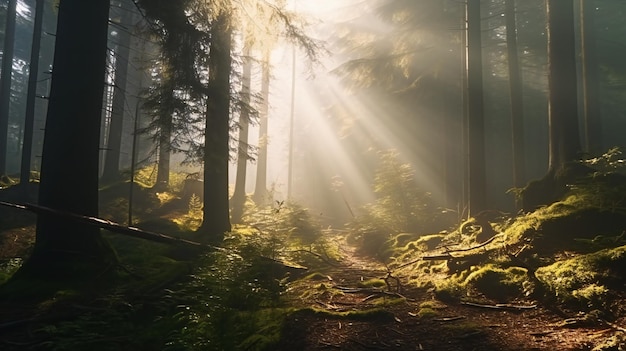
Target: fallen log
108,225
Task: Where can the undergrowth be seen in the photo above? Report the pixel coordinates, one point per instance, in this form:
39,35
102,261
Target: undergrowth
401,206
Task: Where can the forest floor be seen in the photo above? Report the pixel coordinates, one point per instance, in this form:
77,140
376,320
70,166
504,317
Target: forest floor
351,303
414,320
359,317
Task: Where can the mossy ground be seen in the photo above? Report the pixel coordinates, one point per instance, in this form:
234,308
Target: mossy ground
254,294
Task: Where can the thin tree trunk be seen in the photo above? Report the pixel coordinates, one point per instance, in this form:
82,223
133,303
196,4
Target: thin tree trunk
165,135
563,115
114,141
591,77
261,195
33,75
476,124
464,208
216,220
516,96
5,82
238,199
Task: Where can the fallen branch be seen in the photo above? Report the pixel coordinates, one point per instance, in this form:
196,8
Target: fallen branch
320,257
372,291
613,325
106,224
449,319
444,257
477,246
500,306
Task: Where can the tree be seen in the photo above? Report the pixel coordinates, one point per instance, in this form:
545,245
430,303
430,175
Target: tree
238,199
216,217
69,174
562,94
33,76
261,195
181,45
516,95
564,140
413,67
590,79
114,141
5,81
476,124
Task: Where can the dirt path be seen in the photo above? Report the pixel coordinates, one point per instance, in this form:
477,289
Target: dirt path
416,320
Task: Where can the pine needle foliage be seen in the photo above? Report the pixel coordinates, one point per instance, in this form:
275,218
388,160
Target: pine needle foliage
400,205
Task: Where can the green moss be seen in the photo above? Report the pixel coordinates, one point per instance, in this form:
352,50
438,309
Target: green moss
375,314
9,267
316,277
430,241
426,312
497,283
490,280
449,290
375,282
584,278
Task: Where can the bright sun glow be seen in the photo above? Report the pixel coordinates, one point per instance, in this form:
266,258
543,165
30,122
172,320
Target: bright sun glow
337,134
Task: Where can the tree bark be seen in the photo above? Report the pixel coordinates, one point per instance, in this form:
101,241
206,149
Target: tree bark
261,195
564,138
238,200
476,124
592,114
216,220
5,82
69,171
114,141
166,112
516,96
33,75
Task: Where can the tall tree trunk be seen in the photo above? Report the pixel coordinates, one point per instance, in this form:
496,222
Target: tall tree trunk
261,195
165,134
238,200
591,79
564,139
516,96
464,208
564,142
114,141
5,82
69,171
216,149
33,75
476,123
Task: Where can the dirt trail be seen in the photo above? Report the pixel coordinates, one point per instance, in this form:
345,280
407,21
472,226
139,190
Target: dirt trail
416,320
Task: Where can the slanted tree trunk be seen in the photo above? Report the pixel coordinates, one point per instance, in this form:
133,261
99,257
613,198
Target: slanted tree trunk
114,141
69,172
592,115
33,75
216,220
5,81
261,195
516,96
238,200
476,123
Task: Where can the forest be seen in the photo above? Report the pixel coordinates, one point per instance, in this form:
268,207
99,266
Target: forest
312,175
